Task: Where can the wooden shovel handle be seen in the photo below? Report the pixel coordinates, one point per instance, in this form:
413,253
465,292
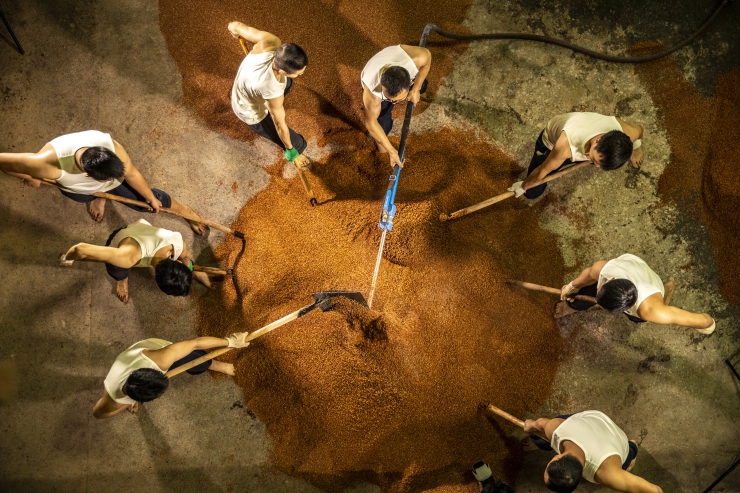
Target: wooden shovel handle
139,203
548,289
218,352
306,185
513,419
506,195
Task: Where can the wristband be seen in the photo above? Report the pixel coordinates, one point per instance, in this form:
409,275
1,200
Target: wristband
291,154
190,265
636,144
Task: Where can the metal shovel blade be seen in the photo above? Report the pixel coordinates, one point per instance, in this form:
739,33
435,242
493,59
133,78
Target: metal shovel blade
323,298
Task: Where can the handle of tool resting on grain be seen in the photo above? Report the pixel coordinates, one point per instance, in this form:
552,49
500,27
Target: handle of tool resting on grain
254,335
548,289
506,195
306,185
212,270
513,419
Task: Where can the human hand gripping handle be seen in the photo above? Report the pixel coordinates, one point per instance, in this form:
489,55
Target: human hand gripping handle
517,189
568,290
291,154
237,340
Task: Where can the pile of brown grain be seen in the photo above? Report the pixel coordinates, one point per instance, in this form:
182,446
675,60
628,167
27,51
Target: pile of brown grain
391,395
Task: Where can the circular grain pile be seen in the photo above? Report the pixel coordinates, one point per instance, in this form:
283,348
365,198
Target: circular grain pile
391,395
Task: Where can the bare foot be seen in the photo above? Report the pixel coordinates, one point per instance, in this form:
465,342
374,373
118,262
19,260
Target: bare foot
96,209
32,182
134,408
122,290
198,228
562,309
632,464
528,445
302,162
222,367
203,278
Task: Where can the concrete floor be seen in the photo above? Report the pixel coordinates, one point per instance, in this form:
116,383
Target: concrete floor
103,65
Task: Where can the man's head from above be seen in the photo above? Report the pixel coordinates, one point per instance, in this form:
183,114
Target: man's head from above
610,150
173,278
145,384
101,164
617,295
563,473
395,83
291,60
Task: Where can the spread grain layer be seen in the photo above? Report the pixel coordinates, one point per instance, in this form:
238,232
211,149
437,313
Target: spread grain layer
389,395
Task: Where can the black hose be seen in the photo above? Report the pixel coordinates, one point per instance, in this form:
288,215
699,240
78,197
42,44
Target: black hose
577,49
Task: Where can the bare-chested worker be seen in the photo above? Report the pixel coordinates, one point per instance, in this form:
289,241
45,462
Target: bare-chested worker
263,80
138,374
627,284
607,141
142,245
86,162
588,445
394,75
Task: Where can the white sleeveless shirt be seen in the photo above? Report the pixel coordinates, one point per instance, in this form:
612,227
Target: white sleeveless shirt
580,128
150,239
255,82
73,179
126,363
597,435
635,269
389,57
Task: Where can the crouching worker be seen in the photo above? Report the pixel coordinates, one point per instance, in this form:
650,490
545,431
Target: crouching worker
84,163
142,245
588,445
138,374
626,284
607,141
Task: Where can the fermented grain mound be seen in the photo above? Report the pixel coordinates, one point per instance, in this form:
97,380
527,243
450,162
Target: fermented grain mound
391,395
339,37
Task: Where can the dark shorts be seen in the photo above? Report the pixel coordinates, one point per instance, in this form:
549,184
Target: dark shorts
585,305
124,190
117,273
266,128
196,370
540,155
385,118
543,445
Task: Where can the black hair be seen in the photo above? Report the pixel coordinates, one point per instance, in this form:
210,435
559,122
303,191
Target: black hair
173,277
101,163
290,58
146,384
615,149
395,80
492,485
564,474
617,295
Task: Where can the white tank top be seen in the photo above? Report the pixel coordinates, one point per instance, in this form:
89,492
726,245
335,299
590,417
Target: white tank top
150,239
389,57
255,82
597,435
579,128
73,179
126,363
635,269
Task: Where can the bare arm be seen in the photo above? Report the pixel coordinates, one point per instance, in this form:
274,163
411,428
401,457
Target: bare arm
371,111
165,357
423,60
135,178
106,407
544,425
617,479
277,112
634,132
262,40
125,256
28,165
654,310
560,152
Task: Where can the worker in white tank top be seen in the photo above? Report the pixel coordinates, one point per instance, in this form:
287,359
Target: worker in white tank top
84,163
394,75
607,141
589,445
627,284
138,374
264,77
142,245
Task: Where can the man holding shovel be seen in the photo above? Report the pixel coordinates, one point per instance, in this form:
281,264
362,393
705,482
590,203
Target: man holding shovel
607,141
83,163
138,374
142,245
589,445
394,75
263,80
627,284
